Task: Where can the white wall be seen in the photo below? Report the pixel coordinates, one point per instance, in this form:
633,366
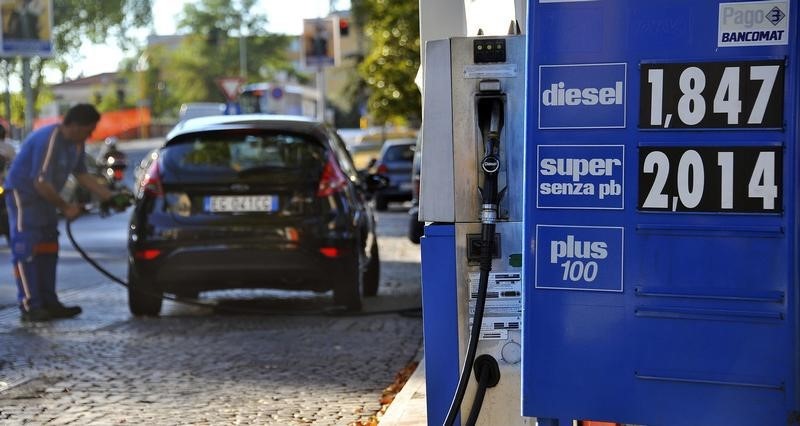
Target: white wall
493,16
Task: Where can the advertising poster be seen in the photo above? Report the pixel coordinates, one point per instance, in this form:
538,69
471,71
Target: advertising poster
27,27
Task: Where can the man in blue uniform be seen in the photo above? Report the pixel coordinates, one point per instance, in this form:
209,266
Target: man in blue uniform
32,186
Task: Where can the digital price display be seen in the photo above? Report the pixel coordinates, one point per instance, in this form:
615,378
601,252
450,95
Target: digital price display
712,95
711,179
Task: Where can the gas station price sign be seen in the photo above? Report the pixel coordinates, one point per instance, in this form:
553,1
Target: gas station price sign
712,95
711,179
674,302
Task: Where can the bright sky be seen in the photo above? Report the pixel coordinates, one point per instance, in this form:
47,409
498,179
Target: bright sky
284,17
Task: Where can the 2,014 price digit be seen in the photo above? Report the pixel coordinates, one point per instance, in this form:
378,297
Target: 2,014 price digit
712,95
719,179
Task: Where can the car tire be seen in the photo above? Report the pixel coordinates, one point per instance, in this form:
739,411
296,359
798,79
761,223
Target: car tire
381,203
144,299
372,276
415,229
348,291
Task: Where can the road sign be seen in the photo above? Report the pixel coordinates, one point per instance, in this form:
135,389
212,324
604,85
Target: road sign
27,28
320,42
230,86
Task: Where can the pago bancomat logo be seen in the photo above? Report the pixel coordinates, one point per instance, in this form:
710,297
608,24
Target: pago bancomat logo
582,96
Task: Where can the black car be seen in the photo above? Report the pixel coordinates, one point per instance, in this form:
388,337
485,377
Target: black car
415,228
252,201
395,162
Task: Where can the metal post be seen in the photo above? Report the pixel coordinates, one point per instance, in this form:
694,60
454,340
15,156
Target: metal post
7,95
26,76
242,55
28,91
321,93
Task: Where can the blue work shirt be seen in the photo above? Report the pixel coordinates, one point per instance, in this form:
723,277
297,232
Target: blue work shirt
44,156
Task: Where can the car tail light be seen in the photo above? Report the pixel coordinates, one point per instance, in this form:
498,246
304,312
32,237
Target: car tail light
332,180
149,254
119,174
331,252
151,183
382,169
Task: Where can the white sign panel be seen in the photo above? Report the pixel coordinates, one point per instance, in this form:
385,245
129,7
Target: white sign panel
754,23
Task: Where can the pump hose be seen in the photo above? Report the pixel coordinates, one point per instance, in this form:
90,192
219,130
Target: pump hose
191,302
477,403
487,242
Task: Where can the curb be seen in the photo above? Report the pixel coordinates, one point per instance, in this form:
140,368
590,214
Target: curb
409,406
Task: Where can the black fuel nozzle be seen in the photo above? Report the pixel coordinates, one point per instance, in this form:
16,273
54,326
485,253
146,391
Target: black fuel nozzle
490,120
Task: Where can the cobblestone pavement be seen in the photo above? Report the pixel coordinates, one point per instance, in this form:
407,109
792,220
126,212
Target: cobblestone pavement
294,366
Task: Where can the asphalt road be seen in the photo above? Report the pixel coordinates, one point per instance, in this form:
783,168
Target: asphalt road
290,364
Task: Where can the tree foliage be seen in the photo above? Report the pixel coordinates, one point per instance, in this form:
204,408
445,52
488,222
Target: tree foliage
211,49
393,59
76,21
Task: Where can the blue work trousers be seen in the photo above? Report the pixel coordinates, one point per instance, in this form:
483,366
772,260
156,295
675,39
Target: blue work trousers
34,252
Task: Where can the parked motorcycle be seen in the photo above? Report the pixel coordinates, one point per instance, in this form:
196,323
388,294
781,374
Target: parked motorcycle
107,169
113,163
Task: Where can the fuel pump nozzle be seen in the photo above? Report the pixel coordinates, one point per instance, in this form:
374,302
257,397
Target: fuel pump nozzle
490,120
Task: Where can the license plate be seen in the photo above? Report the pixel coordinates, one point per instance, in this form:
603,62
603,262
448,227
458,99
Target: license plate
241,203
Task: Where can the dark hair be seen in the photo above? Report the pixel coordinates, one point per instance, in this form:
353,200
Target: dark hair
82,115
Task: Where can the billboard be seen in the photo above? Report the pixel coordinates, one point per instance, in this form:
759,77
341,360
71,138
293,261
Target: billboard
27,27
320,42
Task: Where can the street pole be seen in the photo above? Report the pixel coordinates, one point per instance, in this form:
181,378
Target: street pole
7,96
26,77
321,93
28,92
242,55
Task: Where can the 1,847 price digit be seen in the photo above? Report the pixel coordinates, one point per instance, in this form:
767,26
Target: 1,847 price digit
712,95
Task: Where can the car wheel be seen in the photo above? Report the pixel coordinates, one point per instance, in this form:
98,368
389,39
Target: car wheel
381,203
372,276
143,297
349,290
415,229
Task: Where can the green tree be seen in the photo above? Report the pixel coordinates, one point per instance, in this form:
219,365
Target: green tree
151,80
211,48
393,59
18,105
78,21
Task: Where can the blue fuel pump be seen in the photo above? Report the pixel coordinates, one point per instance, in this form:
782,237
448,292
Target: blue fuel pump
643,268
472,256
661,273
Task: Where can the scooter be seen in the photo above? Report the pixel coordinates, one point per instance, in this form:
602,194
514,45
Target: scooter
114,166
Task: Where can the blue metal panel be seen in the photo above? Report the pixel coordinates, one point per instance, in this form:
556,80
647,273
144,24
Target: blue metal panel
440,314
703,328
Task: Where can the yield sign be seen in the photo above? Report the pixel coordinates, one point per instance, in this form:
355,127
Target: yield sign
230,86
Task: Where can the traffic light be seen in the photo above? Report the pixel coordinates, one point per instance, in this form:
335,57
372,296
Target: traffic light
344,27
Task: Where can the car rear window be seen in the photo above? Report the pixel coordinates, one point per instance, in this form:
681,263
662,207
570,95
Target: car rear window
239,152
399,153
